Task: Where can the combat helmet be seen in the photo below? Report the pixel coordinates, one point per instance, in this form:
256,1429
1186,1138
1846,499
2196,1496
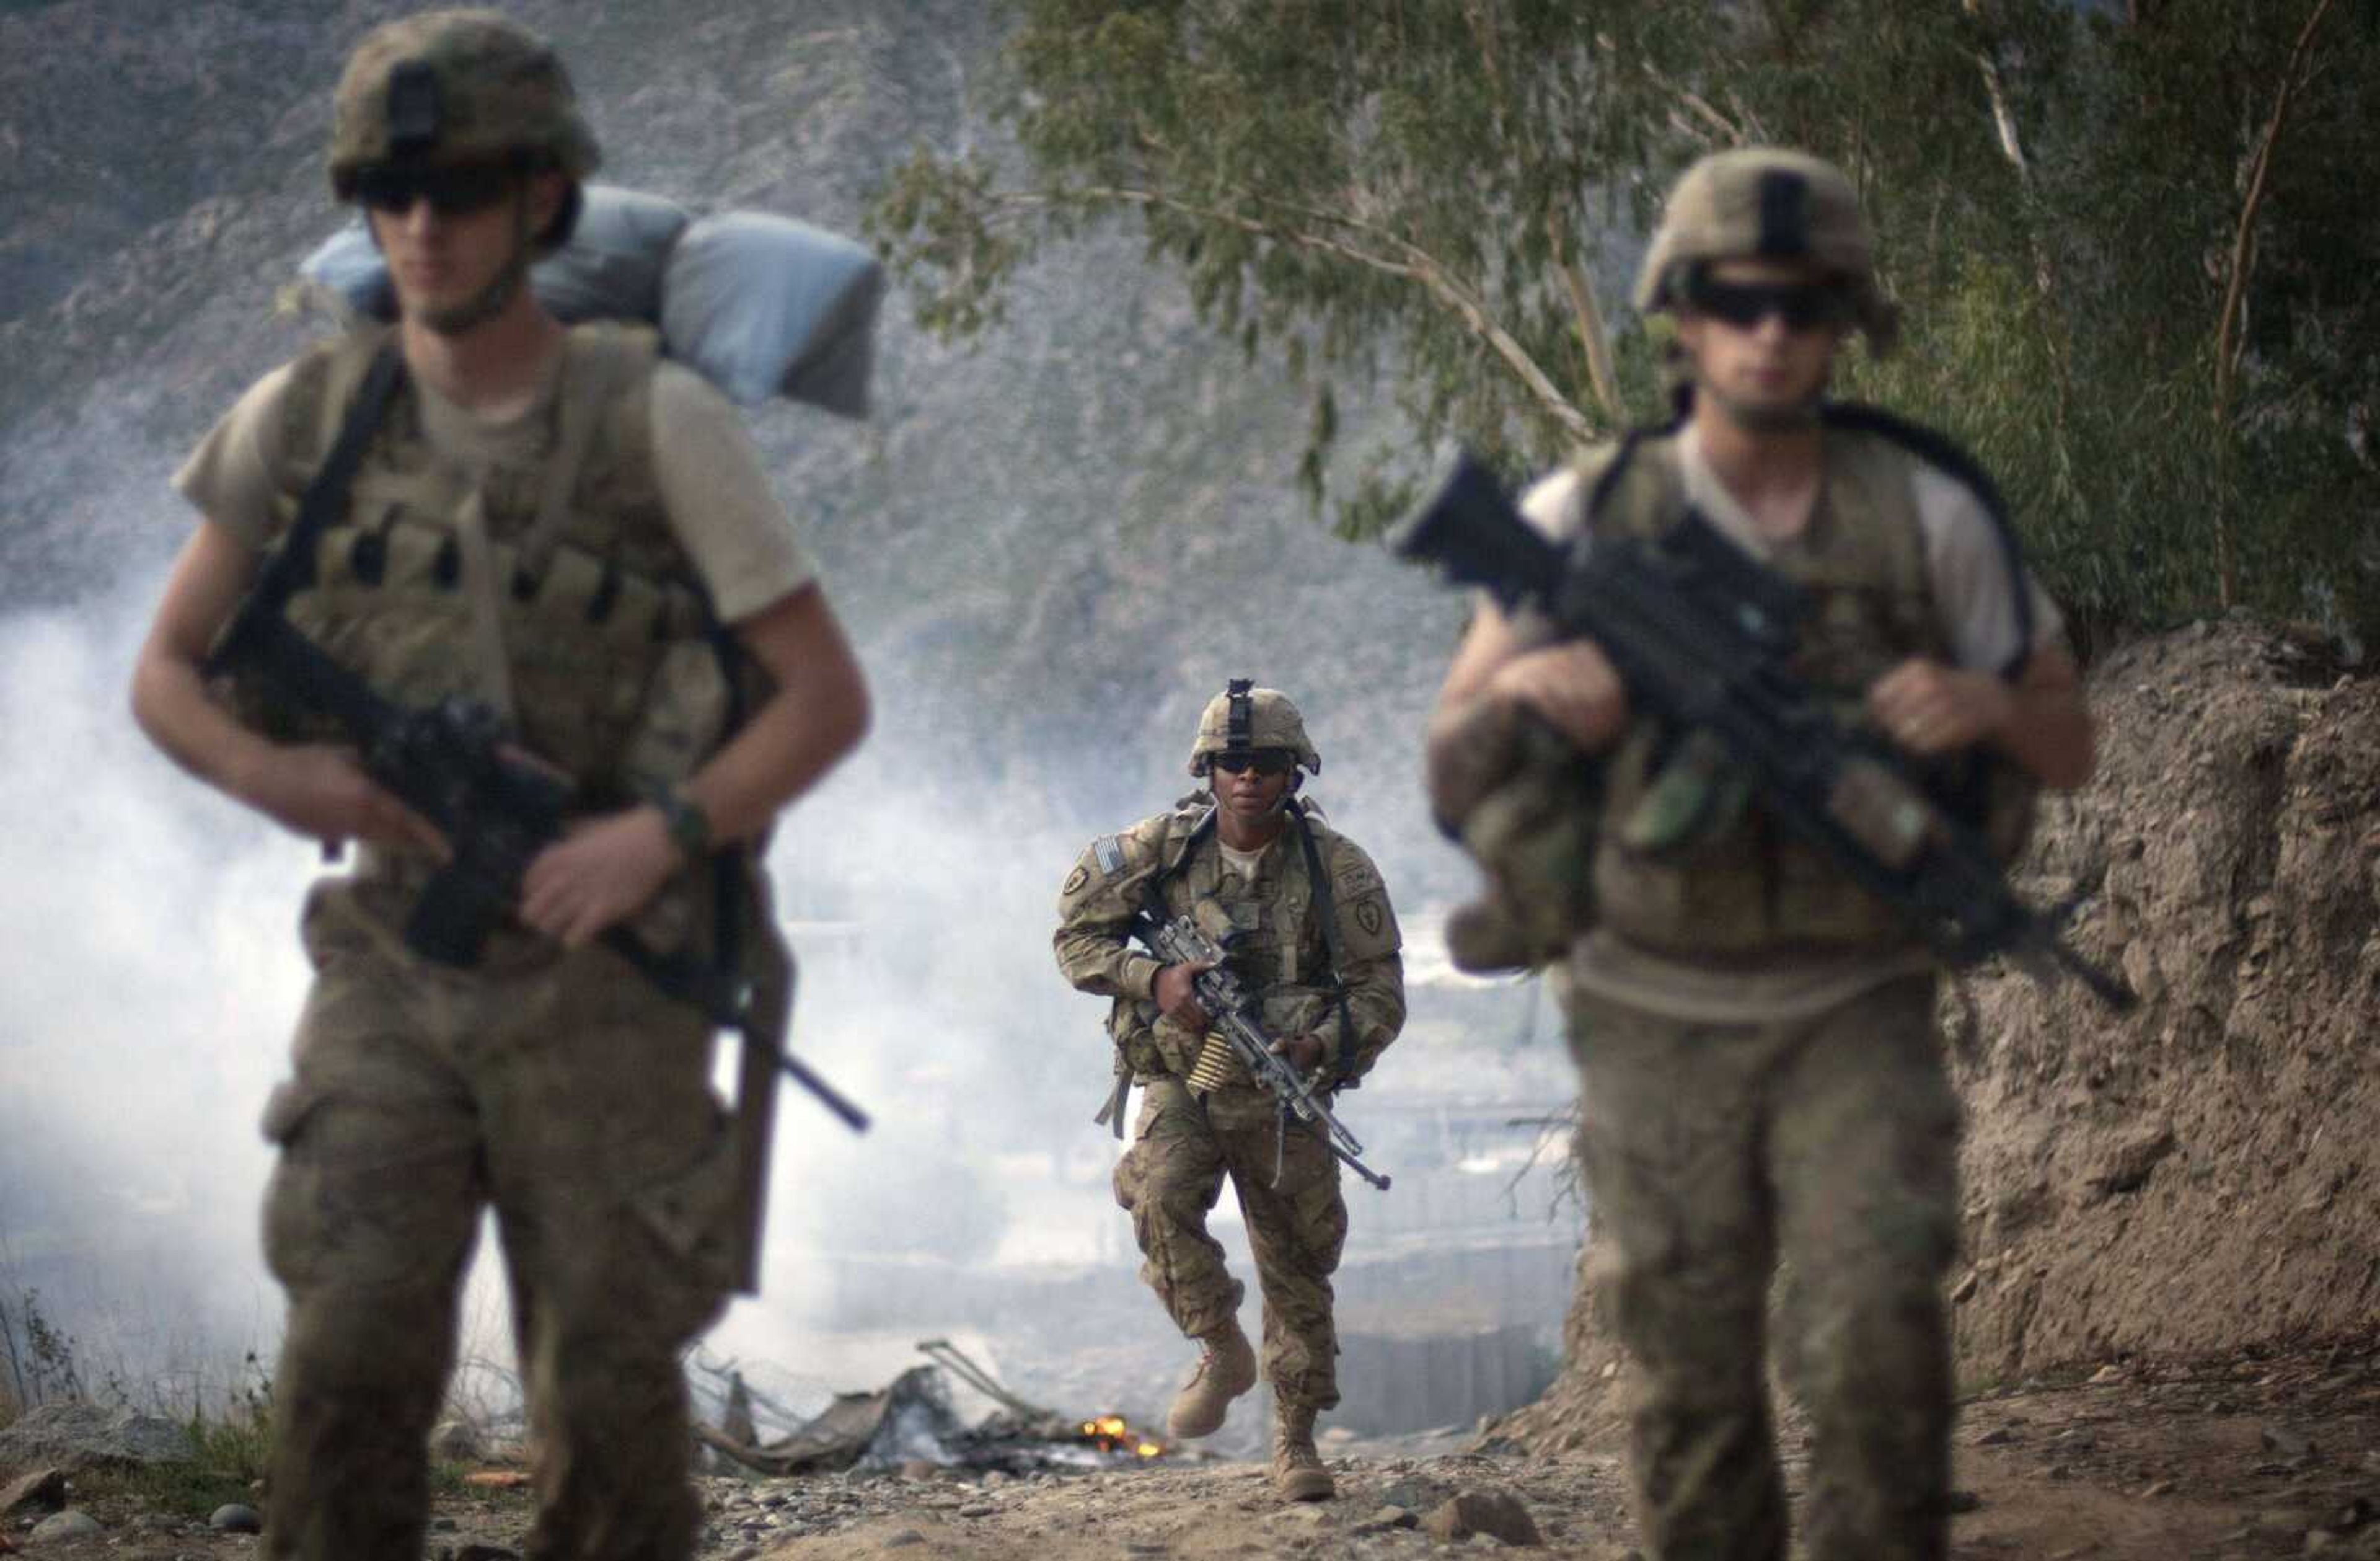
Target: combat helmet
457,86
1243,718
1760,203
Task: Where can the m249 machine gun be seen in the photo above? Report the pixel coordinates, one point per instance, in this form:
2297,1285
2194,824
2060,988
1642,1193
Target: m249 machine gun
1202,938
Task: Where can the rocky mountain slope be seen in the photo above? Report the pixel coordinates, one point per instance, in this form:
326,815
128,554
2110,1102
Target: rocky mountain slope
1057,542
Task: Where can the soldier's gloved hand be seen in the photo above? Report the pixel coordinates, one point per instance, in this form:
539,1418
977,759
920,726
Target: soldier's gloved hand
321,789
601,873
1303,1053
1174,997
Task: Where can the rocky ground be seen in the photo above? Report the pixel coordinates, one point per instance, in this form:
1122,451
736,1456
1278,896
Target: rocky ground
2258,1454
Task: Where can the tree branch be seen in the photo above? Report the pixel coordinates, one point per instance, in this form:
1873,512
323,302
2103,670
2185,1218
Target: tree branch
1592,332
1728,129
2227,345
1417,266
2230,340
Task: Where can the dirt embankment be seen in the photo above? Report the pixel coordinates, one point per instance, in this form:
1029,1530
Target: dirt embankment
2193,1181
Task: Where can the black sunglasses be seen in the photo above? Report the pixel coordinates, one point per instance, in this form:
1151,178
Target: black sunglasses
453,190
1263,761
1802,306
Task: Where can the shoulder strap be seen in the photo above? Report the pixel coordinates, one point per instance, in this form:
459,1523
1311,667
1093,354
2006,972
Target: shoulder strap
325,498
598,367
1167,871
1937,448
1621,466
1327,909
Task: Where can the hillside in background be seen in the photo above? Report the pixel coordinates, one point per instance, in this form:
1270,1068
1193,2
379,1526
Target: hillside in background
1054,546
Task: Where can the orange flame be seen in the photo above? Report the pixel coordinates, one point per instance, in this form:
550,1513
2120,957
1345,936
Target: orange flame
1114,1434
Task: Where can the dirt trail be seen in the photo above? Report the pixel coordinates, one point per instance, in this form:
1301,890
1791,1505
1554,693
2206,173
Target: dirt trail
2251,1456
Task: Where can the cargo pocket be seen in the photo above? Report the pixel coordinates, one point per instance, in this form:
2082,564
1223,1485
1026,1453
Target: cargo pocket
294,1227
697,1214
1321,1220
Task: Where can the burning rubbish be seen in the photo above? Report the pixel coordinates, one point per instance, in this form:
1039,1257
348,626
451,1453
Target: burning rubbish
1112,1433
912,1420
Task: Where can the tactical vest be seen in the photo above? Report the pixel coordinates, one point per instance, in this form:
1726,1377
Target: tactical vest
1282,953
1741,886
554,588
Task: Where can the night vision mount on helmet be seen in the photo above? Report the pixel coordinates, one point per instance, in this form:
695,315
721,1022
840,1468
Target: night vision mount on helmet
1245,719
458,86
1759,202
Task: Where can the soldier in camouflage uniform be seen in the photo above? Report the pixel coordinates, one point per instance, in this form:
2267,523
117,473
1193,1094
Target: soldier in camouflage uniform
547,519
1761,1075
1318,944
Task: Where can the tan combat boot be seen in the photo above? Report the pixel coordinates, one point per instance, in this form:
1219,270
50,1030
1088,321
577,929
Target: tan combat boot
1297,1472
1226,1368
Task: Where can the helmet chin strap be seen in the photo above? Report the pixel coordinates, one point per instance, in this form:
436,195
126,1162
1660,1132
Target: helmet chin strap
498,295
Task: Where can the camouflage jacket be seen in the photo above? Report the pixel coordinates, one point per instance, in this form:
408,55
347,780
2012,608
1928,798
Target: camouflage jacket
1283,951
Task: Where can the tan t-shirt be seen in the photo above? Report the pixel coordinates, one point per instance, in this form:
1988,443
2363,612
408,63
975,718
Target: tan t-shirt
1967,570
745,546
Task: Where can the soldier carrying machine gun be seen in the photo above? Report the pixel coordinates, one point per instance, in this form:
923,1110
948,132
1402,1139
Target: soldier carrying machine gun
1203,938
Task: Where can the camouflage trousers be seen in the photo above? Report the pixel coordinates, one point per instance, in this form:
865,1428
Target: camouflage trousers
1170,1179
1712,1151
562,1093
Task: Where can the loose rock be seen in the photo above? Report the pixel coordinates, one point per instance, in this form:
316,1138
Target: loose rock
1492,1512
233,1518
2287,1443
68,1525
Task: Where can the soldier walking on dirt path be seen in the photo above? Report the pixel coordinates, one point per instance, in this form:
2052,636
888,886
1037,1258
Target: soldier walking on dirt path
549,521
1760,1071
1317,943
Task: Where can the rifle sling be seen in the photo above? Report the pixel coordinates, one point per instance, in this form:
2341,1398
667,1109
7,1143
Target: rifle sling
1327,909
324,500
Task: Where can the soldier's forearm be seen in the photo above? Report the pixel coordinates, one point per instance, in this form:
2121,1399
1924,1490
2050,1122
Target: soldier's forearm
171,704
817,714
2049,729
1105,965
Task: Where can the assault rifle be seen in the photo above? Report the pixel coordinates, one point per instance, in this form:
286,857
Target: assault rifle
1201,938
1702,635
456,764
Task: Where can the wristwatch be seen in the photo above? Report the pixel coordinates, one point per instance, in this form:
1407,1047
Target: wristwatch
688,825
